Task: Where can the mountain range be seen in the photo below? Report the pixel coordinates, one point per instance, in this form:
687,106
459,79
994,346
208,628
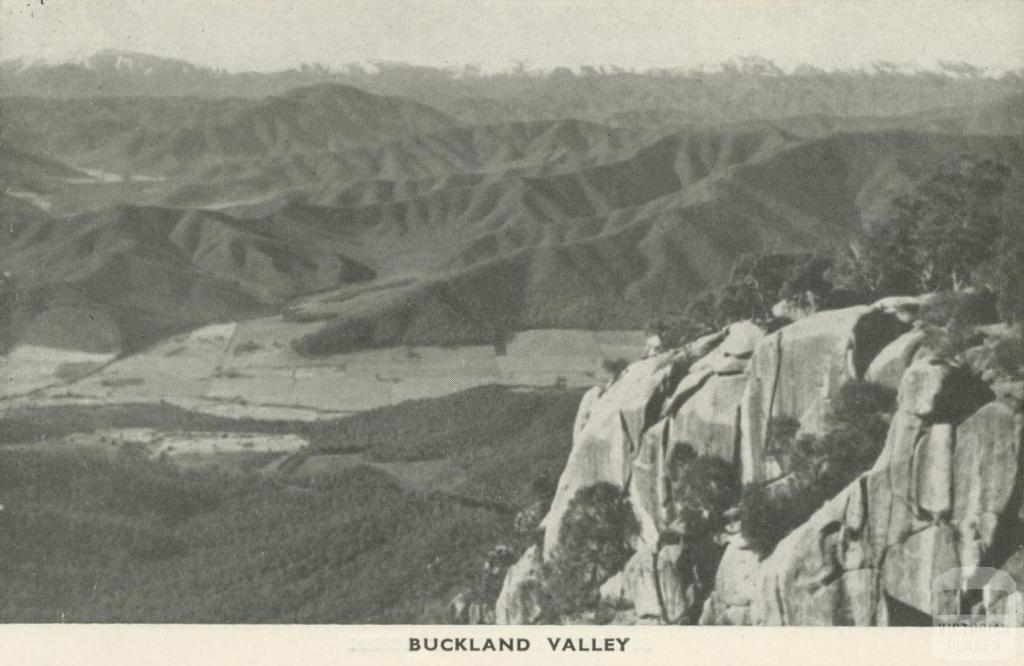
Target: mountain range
436,231
302,346
751,89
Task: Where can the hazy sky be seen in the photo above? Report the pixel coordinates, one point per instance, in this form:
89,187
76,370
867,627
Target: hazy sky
275,34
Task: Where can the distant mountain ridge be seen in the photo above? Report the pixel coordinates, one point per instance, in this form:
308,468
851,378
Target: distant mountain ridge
659,97
113,72
170,134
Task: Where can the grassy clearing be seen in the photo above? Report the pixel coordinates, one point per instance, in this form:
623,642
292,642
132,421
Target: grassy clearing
39,423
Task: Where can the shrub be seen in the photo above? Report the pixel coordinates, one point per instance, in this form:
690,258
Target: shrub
496,564
770,512
1008,357
759,522
596,523
857,425
682,454
860,399
230,373
594,545
782,433
767,273
655,326
743,299
702,490
960,308
247,347
614,366
807,282
946,342
840,455
819,466
527,521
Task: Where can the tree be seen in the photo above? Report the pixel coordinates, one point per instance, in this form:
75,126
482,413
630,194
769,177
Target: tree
743,299
807,283
819,466
593,546
958,215
1008,287
936,235
700,318
754,286
1005,275
702,488
880,261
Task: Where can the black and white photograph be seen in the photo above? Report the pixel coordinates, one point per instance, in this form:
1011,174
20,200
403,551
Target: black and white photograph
482,312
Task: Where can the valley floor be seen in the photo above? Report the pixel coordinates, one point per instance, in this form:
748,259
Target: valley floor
248,369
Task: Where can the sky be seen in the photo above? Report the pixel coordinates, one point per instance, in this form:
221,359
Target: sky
265,35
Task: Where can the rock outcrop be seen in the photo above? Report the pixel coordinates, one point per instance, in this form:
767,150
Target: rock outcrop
795,371
518,601
608,430
945,493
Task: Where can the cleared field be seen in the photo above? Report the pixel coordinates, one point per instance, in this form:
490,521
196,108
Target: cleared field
29,368
249,369
158,443
416,389
237,410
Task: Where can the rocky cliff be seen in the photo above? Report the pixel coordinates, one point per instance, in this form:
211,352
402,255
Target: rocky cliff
945,491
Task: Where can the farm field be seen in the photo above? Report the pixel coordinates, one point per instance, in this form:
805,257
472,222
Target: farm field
248,368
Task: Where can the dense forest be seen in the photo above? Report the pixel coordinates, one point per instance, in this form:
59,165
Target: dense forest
93,536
